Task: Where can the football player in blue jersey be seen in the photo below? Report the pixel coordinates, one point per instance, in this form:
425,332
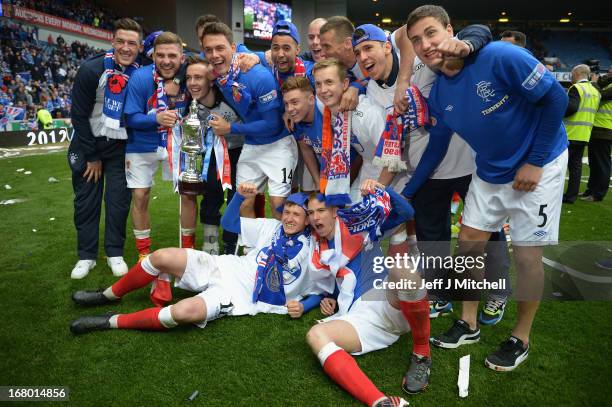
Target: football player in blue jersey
509,109
269,154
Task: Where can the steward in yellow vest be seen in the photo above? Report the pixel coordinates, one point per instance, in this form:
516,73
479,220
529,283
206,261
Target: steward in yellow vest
603,117
45,121
600,144
579,118
580,124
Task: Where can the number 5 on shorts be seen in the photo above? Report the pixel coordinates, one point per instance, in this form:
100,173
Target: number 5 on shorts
543,215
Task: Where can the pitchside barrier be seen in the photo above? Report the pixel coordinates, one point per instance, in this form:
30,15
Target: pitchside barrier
26,138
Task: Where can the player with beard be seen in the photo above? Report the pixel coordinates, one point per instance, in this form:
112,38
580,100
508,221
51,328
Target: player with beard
284,50
150,114
509,109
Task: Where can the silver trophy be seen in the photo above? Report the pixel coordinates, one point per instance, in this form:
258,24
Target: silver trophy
190,180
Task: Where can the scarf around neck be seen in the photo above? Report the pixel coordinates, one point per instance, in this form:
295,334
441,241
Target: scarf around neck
115,79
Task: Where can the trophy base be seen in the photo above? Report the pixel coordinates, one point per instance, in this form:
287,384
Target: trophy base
191,188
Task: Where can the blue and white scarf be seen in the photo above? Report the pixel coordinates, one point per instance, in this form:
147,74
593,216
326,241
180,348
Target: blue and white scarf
115,79
367,215
285,253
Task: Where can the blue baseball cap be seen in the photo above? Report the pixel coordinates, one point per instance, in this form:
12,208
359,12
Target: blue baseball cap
368,32
147,44
285,27
299,198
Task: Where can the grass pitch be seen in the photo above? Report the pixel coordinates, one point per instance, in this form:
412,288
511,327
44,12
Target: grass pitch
261,360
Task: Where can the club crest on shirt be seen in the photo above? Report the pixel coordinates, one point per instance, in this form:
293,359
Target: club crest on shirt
273,280
289,276
483,89
236,94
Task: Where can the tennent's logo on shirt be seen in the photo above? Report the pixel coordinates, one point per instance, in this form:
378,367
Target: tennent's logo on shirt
534,77
496,105
483,89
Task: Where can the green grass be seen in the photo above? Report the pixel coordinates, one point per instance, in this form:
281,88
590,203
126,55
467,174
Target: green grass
261,360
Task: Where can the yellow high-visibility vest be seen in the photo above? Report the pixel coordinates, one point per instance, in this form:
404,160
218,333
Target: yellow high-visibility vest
45,118
580,124
603,117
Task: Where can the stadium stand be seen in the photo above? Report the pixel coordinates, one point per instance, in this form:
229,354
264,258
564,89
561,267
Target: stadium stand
37,74
84,12
575,47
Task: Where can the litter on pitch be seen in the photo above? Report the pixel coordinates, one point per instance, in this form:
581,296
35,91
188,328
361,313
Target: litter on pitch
193,395
51,219
53,180
11,201
7,186
463,380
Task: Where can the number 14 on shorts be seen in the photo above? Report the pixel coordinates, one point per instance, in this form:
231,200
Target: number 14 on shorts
287,178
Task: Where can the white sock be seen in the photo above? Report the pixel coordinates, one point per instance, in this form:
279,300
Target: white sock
326,351
165,317
108,293
148,267
187,231
211,230
398,238
142,234
411,295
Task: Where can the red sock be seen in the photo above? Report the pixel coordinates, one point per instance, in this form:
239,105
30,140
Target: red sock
146,319
260,206
343,370
187,241
417,315
143,245
161,292
135,278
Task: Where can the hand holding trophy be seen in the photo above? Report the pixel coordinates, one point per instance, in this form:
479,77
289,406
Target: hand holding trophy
190,179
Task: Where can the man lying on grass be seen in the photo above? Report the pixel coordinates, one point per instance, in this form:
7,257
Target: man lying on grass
368,317
272,278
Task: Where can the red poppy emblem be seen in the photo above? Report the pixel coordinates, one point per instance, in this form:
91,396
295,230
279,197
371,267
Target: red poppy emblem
116,83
